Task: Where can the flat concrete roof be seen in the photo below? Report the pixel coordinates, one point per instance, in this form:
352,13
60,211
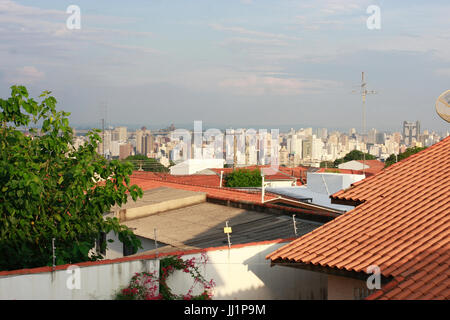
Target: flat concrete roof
157,195
201,226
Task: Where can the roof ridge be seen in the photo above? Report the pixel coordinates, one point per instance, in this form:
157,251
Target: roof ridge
203,186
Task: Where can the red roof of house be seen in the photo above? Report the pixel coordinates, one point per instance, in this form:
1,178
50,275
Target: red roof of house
336,170
375,166
149,180
193,179
402,226
283,173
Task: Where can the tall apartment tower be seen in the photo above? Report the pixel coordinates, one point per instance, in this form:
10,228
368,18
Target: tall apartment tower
147,144
411,132
120,134
139,134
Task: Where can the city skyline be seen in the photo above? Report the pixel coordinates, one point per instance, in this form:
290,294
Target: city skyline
233,63
282,129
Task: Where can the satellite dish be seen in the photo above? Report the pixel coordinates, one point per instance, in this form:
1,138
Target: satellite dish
443,106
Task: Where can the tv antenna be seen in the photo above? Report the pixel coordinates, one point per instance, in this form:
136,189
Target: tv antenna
103,114
364,92
443,105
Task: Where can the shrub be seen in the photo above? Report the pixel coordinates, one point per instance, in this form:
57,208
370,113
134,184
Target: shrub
243,178
144,285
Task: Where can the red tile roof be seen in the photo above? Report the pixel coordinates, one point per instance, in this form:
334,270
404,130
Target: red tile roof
375,166
344,171
284,173
402,225
193,179
148,180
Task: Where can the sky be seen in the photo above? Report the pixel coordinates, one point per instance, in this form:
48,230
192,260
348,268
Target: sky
231,63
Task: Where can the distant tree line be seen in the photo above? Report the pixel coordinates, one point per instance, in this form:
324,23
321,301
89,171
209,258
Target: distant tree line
352,155
408,152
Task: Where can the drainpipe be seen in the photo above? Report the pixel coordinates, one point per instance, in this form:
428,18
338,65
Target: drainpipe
221,176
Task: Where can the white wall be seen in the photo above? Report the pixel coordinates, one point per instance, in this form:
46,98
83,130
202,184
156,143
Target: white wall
329,183
192,166
240,273
244,273
96,282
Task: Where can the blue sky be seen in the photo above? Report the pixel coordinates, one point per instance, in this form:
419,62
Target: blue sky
231,63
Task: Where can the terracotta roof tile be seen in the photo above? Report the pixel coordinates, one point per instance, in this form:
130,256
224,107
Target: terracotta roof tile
402,225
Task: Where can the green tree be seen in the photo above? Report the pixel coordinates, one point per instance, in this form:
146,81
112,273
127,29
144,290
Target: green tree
50,190
408,152
353,155
327,164
147,164
243,178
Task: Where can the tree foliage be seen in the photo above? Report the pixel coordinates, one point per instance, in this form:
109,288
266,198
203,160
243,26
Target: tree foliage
408,152
243,178
147,164
353,155
50,190
327,164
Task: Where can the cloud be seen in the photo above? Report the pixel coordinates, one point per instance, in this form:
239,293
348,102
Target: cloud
45,25
24,75
335,7
252,41
263,85
245,31
443,72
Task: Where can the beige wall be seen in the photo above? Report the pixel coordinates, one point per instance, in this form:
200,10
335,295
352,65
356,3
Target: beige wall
343,288
244,273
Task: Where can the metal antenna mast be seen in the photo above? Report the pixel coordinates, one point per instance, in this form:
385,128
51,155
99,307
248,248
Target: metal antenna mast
103,112
364,92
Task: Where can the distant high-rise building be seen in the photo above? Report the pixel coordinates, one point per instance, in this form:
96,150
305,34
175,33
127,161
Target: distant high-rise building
124,150
316,148
139,135
380,138
322,133
119,134
411,132
371,137
307,148
147,144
